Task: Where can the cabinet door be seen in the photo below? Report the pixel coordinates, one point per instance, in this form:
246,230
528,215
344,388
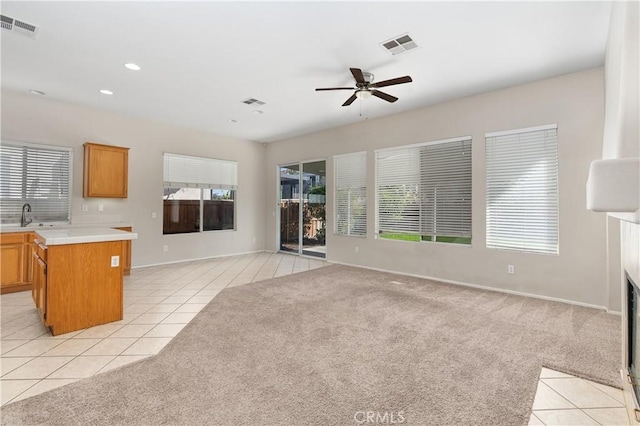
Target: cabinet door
105,171
15,267
125,259
12,264
28,258
35,284
39,291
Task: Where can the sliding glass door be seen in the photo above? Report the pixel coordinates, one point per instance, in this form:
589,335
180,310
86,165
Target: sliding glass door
313,209
303,208
290,208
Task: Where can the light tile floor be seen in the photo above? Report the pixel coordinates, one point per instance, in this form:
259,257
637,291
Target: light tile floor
565,400
159,301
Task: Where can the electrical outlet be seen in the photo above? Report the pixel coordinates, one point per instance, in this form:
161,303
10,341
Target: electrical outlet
511,269
357,249
165,248
85,208
115,261
100,207
153,215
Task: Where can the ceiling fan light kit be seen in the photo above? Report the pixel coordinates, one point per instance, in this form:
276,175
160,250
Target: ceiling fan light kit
365,87
363,94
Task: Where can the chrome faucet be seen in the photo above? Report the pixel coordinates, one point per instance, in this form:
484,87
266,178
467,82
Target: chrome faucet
26,207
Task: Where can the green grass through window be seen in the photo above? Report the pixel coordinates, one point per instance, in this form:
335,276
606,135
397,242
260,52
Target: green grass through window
402,237
415,237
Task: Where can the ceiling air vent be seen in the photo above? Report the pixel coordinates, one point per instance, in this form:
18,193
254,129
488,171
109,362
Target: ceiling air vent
19,27
399,44
252,101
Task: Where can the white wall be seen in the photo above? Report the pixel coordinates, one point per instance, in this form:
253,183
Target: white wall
621,138
622,79
575,102
36,119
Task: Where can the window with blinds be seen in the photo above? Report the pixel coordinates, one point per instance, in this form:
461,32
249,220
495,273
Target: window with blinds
350,194
39,175
522,189
199,172
199,194
423,192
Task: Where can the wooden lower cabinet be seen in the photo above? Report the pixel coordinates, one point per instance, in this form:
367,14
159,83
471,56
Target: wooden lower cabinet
15,261
39,289
126,252
17,265
75,286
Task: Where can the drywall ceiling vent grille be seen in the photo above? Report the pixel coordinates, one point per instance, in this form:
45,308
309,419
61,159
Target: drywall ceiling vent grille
400,44
252,101
19,27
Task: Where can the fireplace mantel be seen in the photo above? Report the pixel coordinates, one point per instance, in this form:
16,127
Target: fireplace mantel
613,186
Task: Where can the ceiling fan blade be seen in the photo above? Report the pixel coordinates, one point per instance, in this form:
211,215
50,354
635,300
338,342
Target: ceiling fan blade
334,88
357,74
384,96
350,100
399,80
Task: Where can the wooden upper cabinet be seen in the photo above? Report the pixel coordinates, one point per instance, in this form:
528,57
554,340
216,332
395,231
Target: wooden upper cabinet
106,170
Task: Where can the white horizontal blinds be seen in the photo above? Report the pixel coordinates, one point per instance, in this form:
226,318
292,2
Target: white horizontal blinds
522,190
183,171
36,174
350,210
445,189
397,190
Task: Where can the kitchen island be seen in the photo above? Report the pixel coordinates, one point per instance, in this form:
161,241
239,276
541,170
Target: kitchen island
78,277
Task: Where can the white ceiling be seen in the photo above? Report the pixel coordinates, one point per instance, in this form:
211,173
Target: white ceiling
200,60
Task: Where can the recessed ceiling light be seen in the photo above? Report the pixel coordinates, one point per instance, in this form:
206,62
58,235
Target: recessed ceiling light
132,67
106,92
36,92
233,121
257,111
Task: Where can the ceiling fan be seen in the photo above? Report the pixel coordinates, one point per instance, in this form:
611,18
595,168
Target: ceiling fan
365,87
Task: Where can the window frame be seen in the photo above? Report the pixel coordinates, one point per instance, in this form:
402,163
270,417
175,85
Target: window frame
337,186
25,200
498,239
203,180
417,176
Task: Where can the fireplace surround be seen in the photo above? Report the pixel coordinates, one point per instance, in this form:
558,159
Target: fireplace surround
630,238
633,338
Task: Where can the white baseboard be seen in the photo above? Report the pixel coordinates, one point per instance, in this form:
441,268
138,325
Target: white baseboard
194,259
484,287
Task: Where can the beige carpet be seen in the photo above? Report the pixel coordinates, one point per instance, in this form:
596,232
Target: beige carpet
321,347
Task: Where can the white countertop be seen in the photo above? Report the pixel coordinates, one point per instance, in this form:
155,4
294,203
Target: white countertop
55,237
7,229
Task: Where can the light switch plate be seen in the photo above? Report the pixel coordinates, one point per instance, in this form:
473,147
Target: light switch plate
115,261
